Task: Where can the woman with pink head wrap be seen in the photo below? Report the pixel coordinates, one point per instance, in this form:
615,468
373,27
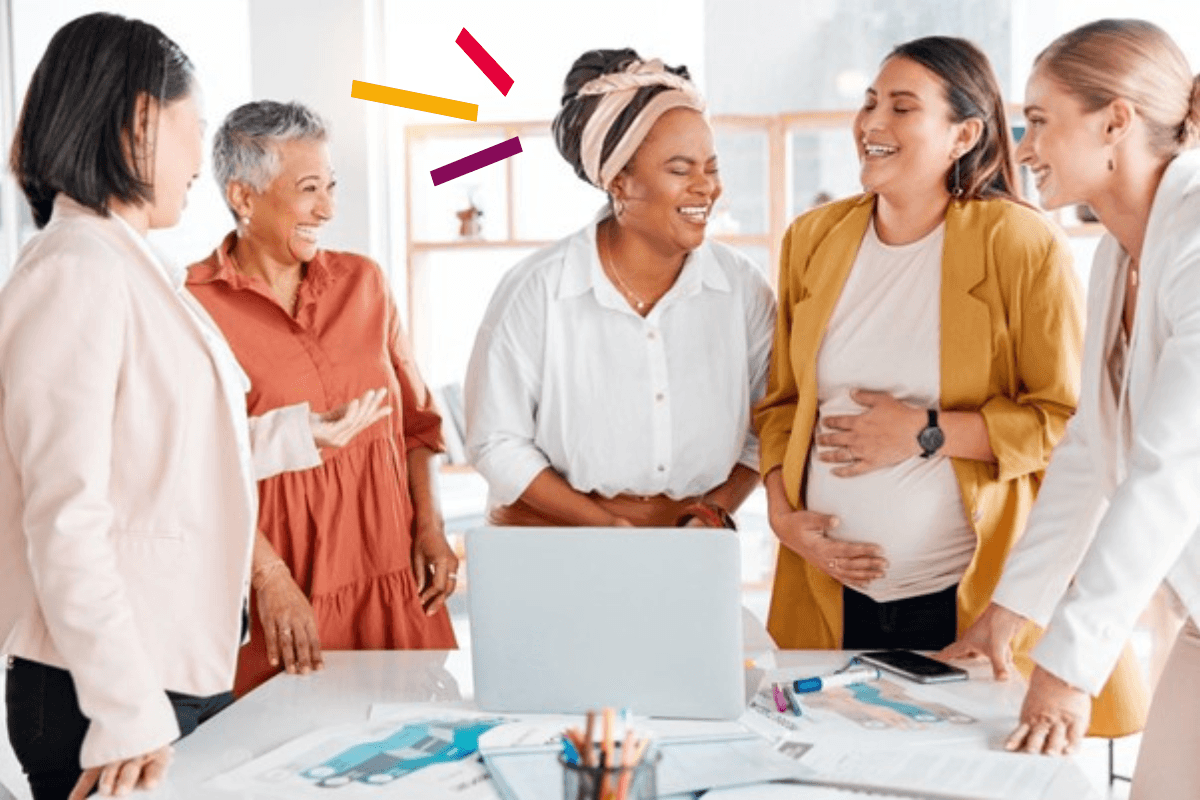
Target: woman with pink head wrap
613,375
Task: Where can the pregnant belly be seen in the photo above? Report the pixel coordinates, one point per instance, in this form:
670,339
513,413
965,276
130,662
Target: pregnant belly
912,510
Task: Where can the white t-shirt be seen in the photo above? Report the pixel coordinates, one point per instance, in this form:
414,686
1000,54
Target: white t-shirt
884,335
564,374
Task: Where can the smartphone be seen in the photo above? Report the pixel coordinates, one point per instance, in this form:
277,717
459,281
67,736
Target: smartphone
913,666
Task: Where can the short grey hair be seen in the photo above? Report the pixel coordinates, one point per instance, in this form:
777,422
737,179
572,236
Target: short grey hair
244,147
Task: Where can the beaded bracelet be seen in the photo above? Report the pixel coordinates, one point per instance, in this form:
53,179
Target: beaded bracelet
708,512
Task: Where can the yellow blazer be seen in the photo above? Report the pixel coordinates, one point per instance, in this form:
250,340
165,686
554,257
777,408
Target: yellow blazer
1011,322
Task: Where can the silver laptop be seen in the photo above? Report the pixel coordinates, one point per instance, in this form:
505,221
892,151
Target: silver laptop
569,619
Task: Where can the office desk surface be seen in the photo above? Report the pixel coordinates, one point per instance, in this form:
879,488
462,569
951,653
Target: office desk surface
289,706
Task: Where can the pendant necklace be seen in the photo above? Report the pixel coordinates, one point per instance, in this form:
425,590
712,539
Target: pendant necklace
639,304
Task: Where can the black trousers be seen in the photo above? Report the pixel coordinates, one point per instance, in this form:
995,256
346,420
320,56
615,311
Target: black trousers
926,622
46,726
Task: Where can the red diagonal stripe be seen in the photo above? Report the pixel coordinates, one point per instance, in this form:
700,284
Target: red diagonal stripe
494,72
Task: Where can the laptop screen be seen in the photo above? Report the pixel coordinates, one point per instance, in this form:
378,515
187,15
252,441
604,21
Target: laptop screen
567,619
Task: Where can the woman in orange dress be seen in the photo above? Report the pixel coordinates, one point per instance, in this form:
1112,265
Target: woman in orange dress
351,554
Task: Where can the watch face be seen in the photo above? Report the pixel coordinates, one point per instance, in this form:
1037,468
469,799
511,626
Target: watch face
931,439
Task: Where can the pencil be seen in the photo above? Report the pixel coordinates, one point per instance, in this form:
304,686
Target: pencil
610,718
576,739
641,750
627,751
589,757
626,764
638,753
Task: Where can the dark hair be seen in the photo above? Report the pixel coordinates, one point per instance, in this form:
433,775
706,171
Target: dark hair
80,110
575,112
971,89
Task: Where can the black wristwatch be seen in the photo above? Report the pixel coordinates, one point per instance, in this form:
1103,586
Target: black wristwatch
931,437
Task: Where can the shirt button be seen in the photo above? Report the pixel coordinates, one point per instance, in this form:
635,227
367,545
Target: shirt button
652,335
662,468
660,397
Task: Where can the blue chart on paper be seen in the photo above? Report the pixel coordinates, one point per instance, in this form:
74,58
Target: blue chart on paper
414,745
882,705
870,694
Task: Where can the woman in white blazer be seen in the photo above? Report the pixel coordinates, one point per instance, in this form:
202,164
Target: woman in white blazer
1113,112
127,486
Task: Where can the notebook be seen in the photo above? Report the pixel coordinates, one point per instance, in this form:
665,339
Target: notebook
569,619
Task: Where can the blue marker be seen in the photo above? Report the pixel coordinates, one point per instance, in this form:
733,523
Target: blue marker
569,752
856,675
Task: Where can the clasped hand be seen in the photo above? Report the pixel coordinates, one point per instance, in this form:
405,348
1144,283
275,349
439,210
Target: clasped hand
882,435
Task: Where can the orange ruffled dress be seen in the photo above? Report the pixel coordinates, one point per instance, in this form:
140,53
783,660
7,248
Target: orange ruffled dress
345,527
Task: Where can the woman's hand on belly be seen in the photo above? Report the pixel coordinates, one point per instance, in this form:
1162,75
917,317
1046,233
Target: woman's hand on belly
806,533
883,435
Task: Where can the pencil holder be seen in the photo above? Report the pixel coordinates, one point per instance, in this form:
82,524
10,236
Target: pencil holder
635,782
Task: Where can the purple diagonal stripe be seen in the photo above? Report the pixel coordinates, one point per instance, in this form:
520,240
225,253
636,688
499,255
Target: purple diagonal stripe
484,158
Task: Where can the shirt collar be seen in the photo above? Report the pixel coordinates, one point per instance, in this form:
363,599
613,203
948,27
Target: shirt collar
220,266
582,270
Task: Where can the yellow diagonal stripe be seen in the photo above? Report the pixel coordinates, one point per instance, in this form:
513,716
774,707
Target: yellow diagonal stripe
414,100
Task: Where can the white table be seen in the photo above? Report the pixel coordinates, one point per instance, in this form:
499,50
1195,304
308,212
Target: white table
351,682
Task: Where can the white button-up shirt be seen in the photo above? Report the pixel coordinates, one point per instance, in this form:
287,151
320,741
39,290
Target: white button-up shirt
566,375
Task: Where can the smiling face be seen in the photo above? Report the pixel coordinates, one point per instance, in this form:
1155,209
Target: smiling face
1063,145
905,138
669,187
178,152
287,216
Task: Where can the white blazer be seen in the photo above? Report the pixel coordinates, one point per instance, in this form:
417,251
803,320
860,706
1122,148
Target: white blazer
1121,519
127,489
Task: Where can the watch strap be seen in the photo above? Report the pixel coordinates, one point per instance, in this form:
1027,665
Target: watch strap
931,438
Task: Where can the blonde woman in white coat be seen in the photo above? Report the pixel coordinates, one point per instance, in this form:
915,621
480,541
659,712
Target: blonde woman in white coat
1113,112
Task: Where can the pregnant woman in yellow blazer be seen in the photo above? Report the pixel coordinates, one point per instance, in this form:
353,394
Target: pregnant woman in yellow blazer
1001,366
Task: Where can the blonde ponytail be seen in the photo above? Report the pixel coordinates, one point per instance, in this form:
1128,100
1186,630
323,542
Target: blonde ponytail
1189,129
